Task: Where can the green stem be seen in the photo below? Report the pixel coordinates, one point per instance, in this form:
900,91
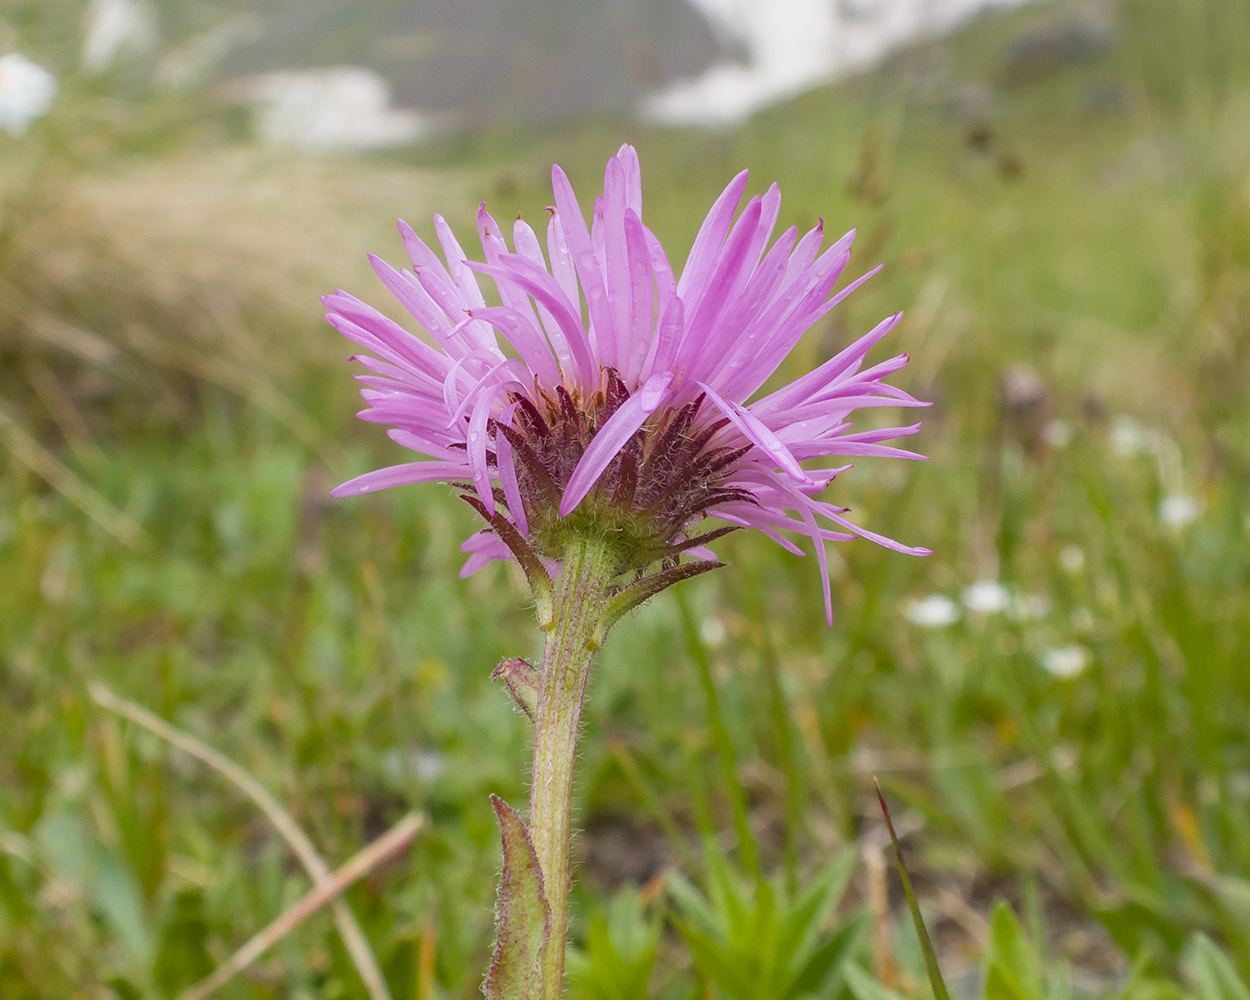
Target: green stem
581,593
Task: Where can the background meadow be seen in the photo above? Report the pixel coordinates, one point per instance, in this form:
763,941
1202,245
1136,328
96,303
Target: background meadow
1057,702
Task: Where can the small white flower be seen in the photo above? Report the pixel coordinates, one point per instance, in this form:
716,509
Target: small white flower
1057,434
713,632
1127,436
27,91
1180,510
986,597
1072,559
934,611
1064,661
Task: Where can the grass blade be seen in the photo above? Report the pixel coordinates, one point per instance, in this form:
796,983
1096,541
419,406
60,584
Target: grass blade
358,866
926,945
349,929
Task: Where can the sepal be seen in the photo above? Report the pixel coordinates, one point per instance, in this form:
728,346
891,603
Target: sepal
535,572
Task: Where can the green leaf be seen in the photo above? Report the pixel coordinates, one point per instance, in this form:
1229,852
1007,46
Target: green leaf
1212,973
866,987
120,901
522,916
625,600
801,927
829,956
1012,969
521,678
619,953
182,957
750,940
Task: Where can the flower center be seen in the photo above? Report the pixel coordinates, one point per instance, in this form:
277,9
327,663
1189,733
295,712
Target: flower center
667,477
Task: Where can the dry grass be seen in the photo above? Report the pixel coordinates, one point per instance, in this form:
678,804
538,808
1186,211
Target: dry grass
202,268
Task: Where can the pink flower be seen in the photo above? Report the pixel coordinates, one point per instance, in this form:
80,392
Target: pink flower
621,398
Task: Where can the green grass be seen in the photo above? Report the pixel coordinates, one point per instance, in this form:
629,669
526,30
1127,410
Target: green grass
330,648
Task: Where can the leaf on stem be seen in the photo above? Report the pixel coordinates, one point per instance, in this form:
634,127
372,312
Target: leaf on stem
521,678
630,597
522,916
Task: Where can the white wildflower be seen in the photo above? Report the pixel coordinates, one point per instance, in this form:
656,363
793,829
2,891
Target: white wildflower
934,611
1057,434
27,91
1179,510
1064,661
1072,559
712,631
1127,436
986,597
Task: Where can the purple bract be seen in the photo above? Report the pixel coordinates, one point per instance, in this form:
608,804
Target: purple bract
619,399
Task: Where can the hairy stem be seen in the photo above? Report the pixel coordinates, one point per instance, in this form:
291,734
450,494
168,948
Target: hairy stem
581,593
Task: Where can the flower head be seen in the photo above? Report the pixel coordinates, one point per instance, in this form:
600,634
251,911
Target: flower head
606,393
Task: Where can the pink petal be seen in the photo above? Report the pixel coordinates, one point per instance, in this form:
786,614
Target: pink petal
754,431
483,547
611,438
400,475
641,297
573,348
583,252
562,268
507,474
456,259
518,329
478,439
707,244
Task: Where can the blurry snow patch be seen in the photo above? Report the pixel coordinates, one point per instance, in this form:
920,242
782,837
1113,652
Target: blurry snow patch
342,107
986,597
1179,510
1064,661
27,91
115,28
793,45
934,611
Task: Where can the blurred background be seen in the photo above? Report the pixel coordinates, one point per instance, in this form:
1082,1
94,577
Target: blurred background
1057,702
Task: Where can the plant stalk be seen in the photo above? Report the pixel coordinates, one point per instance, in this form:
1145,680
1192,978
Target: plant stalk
580,596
